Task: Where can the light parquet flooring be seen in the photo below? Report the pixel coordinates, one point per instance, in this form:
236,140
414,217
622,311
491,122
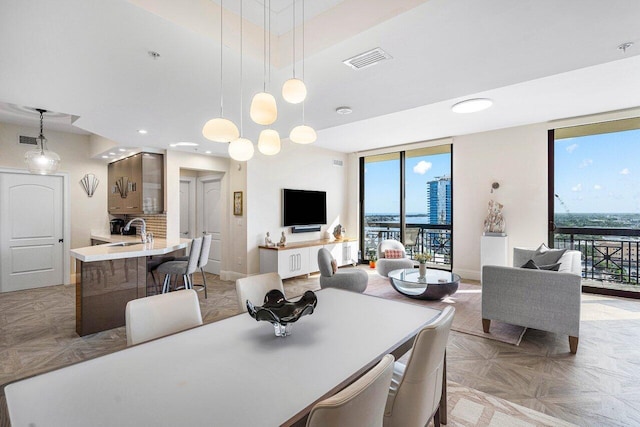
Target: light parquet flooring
600,386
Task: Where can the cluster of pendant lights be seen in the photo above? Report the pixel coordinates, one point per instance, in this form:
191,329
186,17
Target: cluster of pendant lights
264,110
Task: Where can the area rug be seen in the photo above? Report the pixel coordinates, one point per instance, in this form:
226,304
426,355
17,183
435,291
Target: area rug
468,304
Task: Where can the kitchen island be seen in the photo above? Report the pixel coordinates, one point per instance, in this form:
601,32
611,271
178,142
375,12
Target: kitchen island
112,274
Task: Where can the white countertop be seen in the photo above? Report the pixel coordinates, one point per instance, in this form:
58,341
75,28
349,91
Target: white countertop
108,251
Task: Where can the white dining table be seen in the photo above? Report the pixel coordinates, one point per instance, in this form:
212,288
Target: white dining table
234,372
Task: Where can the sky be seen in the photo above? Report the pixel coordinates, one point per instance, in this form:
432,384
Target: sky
382,183
598,173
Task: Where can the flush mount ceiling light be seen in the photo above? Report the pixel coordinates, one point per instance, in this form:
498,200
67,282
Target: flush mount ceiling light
220,129
264,110
142,131
472,105
344,110
41,160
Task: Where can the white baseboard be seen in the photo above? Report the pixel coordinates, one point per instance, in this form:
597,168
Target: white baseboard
467,274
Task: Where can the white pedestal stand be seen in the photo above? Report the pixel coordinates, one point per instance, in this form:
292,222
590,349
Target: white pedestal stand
493,251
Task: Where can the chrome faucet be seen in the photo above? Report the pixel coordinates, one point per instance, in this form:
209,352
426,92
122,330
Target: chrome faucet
143,230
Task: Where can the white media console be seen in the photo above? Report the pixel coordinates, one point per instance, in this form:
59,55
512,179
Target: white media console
298,258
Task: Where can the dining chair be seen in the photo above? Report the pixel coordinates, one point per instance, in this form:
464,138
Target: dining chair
254,288
416,389
202,260
361,404
182,268
160,315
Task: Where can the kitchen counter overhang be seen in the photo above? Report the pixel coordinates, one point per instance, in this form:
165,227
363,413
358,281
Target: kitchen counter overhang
134,249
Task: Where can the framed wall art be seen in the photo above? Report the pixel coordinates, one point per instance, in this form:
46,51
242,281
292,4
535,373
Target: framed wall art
237,202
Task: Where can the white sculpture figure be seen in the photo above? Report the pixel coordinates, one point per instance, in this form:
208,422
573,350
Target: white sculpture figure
267,240
338,232
283,240
494,223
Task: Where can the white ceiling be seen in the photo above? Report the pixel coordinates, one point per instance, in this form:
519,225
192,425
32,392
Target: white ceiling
538,60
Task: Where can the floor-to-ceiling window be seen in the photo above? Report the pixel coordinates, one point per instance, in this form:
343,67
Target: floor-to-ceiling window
406,196
594,194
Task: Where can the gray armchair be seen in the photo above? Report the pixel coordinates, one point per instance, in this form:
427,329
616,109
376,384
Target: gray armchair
350,279
539,299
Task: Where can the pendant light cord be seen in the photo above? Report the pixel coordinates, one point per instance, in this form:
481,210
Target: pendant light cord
303,101
264,46
241,92
221,47
294,39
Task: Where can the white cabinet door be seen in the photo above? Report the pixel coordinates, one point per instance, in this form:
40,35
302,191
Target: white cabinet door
293,262
313,258
349,253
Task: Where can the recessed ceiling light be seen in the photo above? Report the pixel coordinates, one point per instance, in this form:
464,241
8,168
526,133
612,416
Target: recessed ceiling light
121,149
105,157
344,110
142,131
184,144
112,154
472,105
207,152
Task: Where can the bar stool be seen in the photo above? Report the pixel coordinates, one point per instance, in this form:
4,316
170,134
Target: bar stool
202,260
182,268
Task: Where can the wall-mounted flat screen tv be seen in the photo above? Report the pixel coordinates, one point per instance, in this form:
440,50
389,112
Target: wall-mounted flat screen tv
301,207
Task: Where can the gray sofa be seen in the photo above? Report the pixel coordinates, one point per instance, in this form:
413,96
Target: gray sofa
539,299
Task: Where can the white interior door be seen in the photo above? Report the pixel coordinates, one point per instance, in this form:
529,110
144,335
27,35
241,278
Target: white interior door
31,231
211,221
187,208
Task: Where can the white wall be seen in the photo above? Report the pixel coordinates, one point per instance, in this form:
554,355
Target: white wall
304,167
87,213
516,158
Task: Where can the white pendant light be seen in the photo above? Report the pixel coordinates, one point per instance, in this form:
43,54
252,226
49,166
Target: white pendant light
269,142
264,110
40,160
220,129
241,149
294,90
303,134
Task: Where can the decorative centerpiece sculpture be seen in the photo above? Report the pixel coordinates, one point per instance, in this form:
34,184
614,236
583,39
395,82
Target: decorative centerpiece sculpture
494,223
282,313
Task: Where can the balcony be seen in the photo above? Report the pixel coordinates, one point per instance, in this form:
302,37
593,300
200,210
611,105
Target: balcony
432,239
610,255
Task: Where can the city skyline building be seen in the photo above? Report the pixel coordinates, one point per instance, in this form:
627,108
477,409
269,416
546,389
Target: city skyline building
439,200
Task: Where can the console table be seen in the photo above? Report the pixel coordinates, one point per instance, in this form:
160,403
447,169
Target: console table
298,258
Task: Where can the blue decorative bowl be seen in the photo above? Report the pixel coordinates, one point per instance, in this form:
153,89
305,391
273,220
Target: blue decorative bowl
282,313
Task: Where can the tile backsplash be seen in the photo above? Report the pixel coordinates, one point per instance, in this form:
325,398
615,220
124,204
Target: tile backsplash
157,224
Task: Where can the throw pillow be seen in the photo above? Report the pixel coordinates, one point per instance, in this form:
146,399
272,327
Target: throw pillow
532,265
393,253
334,266
546,256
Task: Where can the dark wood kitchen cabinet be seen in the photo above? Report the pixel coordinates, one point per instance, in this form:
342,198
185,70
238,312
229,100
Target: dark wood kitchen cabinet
136,185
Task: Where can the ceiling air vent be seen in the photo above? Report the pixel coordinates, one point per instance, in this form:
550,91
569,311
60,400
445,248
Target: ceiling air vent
28,140
367,59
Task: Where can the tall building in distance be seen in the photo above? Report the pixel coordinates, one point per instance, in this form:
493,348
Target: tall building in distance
439,200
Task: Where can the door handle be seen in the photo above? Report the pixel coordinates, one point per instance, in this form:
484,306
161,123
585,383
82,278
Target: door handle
60,240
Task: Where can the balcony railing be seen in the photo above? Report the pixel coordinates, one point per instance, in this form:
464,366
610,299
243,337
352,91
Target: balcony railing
608,254
434,240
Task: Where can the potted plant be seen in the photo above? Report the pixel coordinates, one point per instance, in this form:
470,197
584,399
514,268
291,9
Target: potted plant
422,259
372,257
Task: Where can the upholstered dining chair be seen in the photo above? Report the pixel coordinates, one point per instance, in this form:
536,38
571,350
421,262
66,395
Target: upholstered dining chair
202,260
254,288
361,404
350,279
416,389
160,315
182,268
